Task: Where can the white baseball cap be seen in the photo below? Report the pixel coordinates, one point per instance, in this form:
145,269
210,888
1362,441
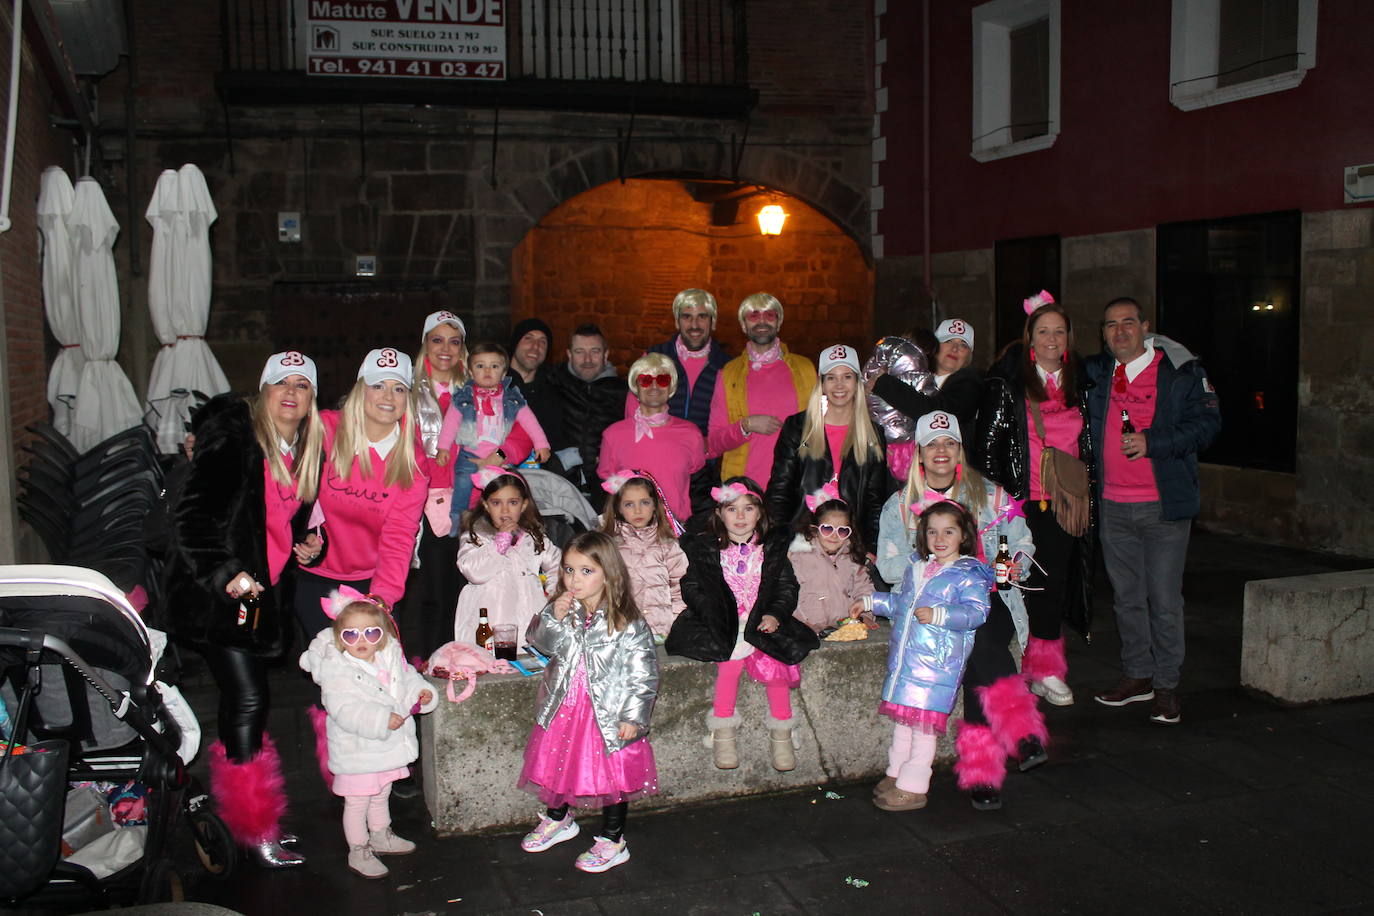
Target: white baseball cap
838,355
288,363
434,319
936,424
386,363
955,329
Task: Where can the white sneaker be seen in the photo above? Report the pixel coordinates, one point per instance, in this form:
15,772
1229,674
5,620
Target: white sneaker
550,832
1054,690
603,856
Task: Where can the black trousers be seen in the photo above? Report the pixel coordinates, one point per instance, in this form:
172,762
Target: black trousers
425,614
612,819
1054,551
244,698
990,659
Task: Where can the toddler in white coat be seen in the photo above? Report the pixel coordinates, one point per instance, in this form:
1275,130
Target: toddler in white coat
370,693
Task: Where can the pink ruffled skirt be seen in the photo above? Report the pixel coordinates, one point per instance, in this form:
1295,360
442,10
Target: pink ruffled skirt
568,764
923,720
766,669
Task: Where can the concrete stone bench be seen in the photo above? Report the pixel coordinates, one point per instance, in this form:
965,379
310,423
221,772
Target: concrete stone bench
1309,638
473,751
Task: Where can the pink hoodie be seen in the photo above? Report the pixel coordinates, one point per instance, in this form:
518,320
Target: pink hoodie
371,526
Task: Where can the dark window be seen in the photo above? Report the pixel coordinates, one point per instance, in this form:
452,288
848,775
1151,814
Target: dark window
1023,268
1257,38
1228,291
1030,80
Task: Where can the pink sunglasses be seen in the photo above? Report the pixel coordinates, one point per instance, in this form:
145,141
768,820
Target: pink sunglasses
841,531
350,636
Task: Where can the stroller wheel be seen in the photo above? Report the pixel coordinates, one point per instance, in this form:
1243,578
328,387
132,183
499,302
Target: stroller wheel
162,884
214,845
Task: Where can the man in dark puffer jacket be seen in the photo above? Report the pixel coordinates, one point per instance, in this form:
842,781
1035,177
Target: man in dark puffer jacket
593,398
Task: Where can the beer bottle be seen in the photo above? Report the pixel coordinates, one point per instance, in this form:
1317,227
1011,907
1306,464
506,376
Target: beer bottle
486,637
1127,427
1002,565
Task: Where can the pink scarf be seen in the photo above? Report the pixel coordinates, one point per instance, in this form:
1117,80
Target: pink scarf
484,397
685,354
758,360
645,426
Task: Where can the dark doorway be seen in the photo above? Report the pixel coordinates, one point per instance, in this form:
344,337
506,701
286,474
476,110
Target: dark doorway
336,324
1228,290
1023,268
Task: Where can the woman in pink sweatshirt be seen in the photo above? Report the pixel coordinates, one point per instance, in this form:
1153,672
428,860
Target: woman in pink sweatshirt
372,493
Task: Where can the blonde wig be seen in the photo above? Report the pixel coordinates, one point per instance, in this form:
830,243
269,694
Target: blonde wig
760,302
695,297
652,363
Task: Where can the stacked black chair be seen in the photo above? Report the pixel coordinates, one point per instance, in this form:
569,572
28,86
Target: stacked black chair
89,509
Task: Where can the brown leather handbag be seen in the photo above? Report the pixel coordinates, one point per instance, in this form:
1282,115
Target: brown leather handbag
1064,479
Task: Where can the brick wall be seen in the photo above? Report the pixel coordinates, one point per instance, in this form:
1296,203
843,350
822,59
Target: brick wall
618,254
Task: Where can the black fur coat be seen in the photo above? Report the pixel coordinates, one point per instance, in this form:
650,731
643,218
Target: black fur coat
219,527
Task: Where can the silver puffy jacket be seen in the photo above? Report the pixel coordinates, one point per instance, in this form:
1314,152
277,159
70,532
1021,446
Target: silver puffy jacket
622,670
428,416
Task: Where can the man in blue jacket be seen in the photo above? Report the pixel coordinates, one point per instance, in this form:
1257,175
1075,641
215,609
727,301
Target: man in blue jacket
1152,410
696,355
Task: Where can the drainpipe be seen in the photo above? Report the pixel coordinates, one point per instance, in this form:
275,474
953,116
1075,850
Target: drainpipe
16,50
925,155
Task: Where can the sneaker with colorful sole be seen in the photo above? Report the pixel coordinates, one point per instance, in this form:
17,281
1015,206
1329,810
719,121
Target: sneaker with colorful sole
603,856
549,832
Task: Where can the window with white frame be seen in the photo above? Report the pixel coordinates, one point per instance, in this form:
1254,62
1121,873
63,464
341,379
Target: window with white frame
1015,77
1224,50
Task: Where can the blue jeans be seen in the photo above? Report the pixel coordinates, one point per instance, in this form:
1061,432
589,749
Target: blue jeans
463,469
1145,556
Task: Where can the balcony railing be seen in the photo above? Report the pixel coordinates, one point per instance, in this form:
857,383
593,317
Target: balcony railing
650,56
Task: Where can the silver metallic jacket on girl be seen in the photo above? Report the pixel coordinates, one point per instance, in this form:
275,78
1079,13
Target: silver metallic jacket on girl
622,670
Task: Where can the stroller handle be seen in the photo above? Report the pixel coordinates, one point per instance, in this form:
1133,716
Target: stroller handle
30,640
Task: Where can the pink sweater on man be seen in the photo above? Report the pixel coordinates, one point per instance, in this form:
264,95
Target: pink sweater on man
1124,480
371,526
673,455
770,392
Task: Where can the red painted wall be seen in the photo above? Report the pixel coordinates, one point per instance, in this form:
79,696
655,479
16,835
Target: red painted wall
1125,158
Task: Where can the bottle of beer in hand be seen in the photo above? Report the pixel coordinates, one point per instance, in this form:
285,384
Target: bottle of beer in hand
1002,565
1127,427
486,637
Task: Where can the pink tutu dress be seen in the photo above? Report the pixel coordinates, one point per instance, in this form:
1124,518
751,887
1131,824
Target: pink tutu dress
742,566
567,763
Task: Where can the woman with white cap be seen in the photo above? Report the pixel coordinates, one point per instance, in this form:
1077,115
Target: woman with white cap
240,525
1001,718
373,490
959,386
831,440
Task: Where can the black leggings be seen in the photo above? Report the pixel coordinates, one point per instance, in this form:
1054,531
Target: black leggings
1055,549
990,659
612,819
243,699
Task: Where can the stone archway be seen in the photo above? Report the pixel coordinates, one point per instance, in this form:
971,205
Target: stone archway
618,253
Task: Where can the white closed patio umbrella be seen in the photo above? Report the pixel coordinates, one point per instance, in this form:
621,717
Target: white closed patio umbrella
179,285
105,401
55,197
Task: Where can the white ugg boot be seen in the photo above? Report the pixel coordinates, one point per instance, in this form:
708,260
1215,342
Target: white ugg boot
780,743
720,738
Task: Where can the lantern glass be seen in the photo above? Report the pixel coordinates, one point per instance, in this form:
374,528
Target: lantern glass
771,219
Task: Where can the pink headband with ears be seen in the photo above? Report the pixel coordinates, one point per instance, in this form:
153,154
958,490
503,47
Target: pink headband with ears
486,475
1032,303
618,479
830,491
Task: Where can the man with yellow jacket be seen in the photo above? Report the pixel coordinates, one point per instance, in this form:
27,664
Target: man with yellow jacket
755,392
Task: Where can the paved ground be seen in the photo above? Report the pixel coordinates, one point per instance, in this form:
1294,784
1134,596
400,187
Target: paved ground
1243,808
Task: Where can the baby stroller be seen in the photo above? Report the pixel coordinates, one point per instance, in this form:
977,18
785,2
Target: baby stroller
78,677
562,507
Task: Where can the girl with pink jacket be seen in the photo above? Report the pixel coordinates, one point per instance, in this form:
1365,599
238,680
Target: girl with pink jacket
828,557
637,517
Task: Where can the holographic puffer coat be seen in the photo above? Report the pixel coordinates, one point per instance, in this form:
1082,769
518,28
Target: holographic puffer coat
925,662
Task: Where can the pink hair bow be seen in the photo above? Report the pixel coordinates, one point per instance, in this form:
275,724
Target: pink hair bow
730,492
340,598
485,475
830,491
1034,302
618,479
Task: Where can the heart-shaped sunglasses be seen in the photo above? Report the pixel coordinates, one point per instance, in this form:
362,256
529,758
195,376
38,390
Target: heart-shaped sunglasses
351,635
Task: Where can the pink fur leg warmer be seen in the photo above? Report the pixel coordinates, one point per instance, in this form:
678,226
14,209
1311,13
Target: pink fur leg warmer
982,760
249,797
1044,658
318,717
1012,712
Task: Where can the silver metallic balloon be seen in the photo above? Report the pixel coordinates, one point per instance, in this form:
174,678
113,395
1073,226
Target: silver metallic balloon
906,362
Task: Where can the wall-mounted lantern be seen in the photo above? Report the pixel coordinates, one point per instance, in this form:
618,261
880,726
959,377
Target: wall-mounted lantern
771,219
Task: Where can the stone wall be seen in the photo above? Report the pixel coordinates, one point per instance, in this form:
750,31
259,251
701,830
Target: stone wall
963,285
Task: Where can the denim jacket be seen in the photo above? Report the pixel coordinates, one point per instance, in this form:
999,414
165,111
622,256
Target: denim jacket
925,661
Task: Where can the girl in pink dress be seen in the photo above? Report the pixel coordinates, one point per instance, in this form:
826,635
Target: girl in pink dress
588,746
646,532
